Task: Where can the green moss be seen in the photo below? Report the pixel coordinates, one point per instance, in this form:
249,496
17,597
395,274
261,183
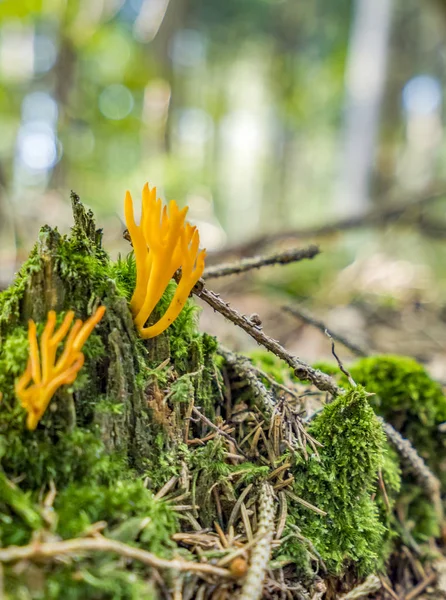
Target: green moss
38,457
410,400
130,510
10,299
123,273
341,484
132,516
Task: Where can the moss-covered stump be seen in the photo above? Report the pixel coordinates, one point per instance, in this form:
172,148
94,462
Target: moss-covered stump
143,478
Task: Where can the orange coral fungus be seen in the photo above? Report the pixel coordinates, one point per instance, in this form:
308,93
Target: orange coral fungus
47,373
163,242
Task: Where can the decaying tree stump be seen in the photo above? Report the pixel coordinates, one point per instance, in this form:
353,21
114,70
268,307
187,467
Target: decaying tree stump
173,468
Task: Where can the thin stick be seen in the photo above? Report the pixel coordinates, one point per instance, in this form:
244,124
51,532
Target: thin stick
401,212
218,429
305,372
317,510
283,515
416,591
253,585
306,317
256,262
37,550
238,504
413,462
339,361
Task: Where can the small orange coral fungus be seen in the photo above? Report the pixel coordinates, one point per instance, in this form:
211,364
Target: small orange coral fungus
47,373
163,242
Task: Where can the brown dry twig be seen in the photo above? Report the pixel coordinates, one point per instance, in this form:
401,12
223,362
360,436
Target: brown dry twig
52,550
220,431
260,555
401,213
306,317
413,462
256,262
305,372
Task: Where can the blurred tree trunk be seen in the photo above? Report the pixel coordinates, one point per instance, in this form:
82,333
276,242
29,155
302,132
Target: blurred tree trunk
365,80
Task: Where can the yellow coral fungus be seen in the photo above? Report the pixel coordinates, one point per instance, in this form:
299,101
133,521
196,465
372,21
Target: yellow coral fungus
47,373
163,242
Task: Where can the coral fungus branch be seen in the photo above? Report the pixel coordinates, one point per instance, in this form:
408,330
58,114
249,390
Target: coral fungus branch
163,243
47,373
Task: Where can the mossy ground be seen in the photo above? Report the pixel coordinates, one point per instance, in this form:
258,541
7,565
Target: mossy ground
108,443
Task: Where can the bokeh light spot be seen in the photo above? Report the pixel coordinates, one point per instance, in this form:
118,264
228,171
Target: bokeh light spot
37,146
422,95
45,53
116,102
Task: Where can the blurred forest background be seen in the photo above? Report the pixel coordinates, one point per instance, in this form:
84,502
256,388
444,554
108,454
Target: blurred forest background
279,122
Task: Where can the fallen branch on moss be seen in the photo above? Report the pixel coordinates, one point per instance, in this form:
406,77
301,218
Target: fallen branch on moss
292,430
50,550
413,462
305,372
253,585
256,262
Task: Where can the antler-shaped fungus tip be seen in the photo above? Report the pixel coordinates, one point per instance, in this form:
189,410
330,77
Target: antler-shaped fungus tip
47,373
163,242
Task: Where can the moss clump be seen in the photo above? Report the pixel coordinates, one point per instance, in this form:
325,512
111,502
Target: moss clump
341,483
410,400
132,516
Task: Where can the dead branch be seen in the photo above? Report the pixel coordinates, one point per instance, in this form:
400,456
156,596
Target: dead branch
51,550
413,462
302,371
220,431
306,317
256,262
399,213
253,585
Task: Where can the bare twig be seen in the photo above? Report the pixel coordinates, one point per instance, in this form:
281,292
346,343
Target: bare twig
413,462
253,585
256,262
304,315
369,586
217,429
418,589
49,550
403,213
299,500
275,384
238,504
339,361
305,372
